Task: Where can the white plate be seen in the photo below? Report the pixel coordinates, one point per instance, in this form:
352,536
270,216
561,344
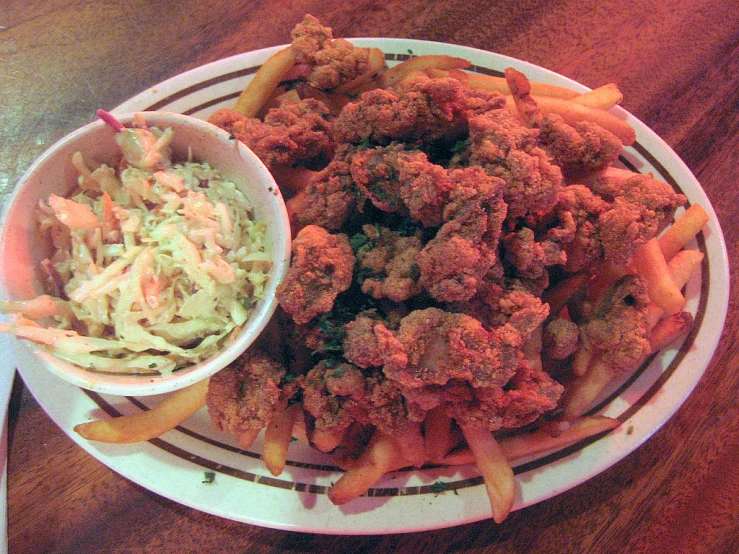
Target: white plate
176,464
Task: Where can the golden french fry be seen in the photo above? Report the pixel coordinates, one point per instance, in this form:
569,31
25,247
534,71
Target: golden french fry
381,456
265,81
494,83
411,443
650,263
560,294
604,97
684,228
583,390
500,483
583,357
247,437
395,74
150,424
532,348
326,440
518,447
681,266
437,434
277,437
669,329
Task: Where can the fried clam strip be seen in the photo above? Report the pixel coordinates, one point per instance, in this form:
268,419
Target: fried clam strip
664,330
167,415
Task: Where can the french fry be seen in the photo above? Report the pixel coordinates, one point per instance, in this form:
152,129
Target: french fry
494,83
682,230
265,81
604,97
381,456
150,424
669,329
683,264
247,437
651,265
583,356
395,74
437,434
411,443
326,440
500,483
518,447
583,390
560,294
532,348
277,437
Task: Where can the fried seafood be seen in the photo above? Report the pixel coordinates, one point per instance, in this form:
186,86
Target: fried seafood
322,265
295,131
453,245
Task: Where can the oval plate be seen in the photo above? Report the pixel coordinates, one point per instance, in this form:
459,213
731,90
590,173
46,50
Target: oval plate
180,464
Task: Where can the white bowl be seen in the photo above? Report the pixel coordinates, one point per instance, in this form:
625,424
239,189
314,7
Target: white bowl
22,248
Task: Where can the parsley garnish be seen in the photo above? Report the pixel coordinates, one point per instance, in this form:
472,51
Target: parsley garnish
209,477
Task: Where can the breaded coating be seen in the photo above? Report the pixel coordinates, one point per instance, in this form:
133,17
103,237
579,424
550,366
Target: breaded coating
335,396
509,150
294,132
561,338
320,269
529,394
610,226
327,201
443,346
368,343
331,62
428,111
387,263
454,263
246,394
578,148
618,326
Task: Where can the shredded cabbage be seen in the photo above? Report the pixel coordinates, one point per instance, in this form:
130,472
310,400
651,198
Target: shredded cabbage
160,263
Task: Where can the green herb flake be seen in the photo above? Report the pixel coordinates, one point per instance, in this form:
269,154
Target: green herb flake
209,477
439,487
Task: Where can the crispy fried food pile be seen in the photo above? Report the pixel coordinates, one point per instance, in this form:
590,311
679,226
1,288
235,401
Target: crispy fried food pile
431,222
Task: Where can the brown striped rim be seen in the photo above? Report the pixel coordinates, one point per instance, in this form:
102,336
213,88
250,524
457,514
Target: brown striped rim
212,465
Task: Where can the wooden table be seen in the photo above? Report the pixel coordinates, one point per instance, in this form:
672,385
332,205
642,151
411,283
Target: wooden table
678,66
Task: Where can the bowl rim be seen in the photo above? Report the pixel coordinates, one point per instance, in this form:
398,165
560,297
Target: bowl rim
238,342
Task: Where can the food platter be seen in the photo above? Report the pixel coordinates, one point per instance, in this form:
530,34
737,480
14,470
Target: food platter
204,469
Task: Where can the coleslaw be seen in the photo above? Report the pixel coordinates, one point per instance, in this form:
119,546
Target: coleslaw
155,263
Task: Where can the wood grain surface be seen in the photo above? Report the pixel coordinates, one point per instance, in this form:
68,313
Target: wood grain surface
677,63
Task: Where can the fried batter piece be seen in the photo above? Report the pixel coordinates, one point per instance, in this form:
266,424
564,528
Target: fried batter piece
441,346
579,148
609,224
329,198
529,394
430,110
509,150
244,396
321,268
617,325
454,263
329,62
387,263
295,131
